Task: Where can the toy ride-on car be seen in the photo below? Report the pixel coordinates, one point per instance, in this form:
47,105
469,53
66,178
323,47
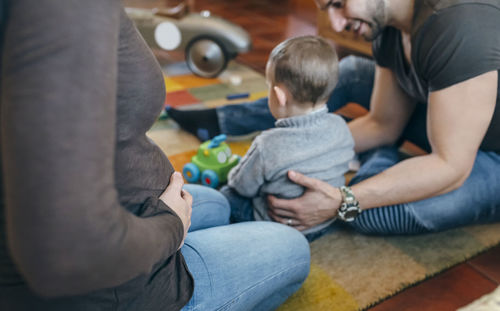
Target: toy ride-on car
212,163
209,41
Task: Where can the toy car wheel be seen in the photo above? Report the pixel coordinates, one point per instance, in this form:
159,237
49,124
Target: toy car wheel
206,57
209,178
191,172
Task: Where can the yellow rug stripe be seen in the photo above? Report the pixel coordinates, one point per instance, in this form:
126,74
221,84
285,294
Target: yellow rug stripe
320,292
190,81
172,86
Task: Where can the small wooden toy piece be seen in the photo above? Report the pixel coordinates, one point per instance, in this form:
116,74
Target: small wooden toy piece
237,96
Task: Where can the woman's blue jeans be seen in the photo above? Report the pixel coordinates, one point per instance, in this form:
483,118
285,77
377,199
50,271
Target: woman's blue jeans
477,201
246,266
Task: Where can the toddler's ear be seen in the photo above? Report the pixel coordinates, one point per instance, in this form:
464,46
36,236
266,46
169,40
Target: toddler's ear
280,95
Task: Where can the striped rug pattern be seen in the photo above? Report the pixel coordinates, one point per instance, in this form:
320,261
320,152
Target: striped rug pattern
349,271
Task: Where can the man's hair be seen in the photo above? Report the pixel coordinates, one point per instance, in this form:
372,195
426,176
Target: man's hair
307,66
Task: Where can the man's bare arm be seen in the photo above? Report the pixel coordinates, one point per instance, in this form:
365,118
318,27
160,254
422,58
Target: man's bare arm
389,113
458,118
390,110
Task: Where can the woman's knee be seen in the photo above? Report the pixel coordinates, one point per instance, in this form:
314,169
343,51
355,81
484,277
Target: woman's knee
279,241
210,208
261,263
289,245
206,196
261,243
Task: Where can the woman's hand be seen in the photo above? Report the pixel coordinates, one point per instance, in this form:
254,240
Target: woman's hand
179,200
318,204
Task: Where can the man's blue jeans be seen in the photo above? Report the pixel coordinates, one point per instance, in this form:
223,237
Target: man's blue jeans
477,201
355,85
246,266
356,77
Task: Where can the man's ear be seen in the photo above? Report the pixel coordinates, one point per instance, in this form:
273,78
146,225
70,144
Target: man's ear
280,95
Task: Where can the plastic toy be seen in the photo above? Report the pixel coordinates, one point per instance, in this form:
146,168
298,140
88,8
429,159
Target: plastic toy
237,96
212,163
209,41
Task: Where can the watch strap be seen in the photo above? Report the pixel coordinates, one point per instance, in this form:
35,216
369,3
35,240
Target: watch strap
349,208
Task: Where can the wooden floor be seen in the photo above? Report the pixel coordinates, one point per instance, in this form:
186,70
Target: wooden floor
271,21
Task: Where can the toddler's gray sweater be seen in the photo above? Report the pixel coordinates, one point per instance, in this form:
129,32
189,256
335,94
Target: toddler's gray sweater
318,144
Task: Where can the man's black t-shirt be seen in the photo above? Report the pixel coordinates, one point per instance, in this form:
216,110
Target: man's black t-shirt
452,41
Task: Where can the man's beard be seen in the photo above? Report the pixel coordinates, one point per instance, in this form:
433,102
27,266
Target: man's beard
377,24
376,30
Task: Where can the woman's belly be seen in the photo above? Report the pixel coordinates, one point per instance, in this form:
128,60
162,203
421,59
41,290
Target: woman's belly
142,170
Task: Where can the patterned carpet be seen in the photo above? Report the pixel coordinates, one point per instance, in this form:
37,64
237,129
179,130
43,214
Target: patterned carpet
186,91
349,271
352,271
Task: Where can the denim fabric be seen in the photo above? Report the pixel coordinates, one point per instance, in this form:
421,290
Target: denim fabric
246,266
241,207
355,85
246,118
356,79
476,201
210,209
242,210
356,76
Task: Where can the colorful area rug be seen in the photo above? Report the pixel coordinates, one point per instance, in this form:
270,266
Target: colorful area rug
186,91
349,271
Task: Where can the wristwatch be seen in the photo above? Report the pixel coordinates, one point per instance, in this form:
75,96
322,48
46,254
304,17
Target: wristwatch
349,208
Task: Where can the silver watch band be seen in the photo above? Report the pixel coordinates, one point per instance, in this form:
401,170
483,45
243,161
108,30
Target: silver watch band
349,208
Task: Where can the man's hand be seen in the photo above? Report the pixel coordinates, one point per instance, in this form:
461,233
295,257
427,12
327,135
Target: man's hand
318,204
179,200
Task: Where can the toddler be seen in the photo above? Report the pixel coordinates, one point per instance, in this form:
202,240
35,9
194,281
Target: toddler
301,73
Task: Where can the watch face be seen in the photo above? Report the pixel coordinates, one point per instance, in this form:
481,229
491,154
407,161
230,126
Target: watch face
349,213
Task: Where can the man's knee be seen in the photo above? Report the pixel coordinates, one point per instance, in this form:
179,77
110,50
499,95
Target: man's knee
355,66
